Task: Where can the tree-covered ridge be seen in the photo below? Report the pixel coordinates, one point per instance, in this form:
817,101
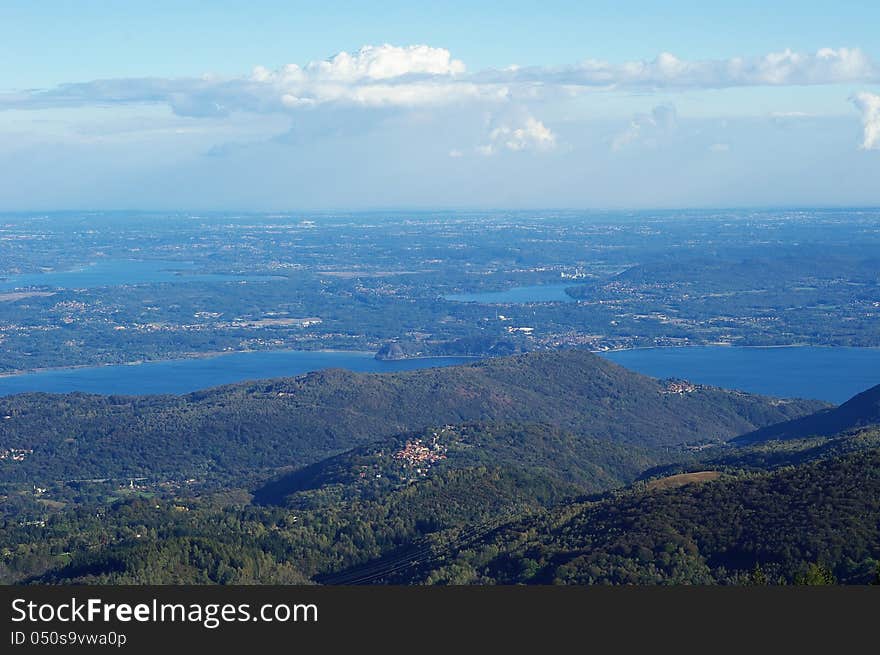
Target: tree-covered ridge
852,427
212,541
735,458
779,527
246,430
589,465
857,412
482,525
371,502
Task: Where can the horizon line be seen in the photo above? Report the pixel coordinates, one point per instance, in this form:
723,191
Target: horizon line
416,208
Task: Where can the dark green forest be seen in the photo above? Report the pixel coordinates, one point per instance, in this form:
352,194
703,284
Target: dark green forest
246,430
778,527
480,525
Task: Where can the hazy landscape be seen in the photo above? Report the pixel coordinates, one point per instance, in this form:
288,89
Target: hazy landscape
450,294
338,451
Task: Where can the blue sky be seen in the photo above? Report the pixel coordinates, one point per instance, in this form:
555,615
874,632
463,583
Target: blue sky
189,105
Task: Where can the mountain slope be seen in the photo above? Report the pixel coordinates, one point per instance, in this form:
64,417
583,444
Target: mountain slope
236,431
586,465
156,542
779,527
859,411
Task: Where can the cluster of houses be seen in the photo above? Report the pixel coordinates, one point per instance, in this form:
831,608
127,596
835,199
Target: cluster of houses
679,387
417,453
15,454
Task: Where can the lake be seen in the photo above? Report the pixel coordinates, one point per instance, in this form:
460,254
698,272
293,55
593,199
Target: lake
832,374
185,375
517,295
118,272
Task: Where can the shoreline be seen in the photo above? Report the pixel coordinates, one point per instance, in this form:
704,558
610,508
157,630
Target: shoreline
719,345
730,345
215,354
184,358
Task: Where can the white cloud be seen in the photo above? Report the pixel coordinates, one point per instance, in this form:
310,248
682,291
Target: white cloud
374,76
421,76
385,62
666,71
869,105
526,134
647,129
719,147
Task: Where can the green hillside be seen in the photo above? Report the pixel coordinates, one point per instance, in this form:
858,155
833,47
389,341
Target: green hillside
213,541
815,522
587,465
249,430
543,468
859,411
818,521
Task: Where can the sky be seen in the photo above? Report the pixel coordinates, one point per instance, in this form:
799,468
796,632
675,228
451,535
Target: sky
269,105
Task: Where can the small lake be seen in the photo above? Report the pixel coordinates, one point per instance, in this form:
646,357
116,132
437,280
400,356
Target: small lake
185,375
832,374
118,272
517,295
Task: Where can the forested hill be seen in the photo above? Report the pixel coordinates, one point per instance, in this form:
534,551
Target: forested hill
859,411
584,464
470,523
226,432
814,523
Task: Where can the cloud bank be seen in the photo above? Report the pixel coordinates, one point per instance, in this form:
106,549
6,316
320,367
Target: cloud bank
374,76
666,71
422,76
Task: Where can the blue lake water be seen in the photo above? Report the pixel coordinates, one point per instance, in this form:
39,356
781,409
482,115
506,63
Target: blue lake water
832,374
517,295
118,272
185,375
